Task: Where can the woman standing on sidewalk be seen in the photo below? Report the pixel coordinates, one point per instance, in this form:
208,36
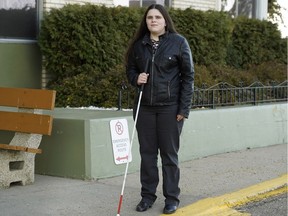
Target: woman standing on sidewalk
166,101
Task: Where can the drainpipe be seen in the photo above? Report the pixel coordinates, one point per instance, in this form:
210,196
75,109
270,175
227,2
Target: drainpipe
237,8
261,9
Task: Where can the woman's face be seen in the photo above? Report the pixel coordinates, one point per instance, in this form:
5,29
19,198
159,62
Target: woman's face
155,22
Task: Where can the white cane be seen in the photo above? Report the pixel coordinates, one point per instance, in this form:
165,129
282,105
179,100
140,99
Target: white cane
131,142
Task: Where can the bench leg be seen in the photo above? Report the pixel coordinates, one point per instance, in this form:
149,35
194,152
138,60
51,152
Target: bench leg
16,168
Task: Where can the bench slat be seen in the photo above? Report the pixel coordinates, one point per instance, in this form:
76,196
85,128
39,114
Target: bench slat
20,148
26,122
27,98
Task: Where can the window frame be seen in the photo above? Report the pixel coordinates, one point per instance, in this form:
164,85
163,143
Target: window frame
39,15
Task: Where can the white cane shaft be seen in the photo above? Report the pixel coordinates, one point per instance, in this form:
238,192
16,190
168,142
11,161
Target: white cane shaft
131,142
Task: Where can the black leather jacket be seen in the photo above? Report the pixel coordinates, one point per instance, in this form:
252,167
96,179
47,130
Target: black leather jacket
171,71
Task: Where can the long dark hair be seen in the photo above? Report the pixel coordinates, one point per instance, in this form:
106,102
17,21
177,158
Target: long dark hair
143,29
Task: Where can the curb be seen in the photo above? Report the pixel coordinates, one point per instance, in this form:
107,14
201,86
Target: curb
223,205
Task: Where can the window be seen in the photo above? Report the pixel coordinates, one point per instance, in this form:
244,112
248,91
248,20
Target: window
240,7
18,19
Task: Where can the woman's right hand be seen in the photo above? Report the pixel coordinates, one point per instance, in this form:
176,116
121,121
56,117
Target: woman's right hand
142,78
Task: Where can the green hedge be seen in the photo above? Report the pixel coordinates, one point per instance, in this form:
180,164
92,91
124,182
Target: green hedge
207,33
84,48
253,42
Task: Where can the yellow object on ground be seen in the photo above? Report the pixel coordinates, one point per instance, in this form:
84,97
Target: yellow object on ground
223,205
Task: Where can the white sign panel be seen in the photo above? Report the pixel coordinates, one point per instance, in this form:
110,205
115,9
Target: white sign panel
120,140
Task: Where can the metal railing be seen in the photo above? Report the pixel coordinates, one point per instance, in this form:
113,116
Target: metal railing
224,94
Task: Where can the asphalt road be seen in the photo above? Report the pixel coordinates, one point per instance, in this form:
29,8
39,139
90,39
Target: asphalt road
272,206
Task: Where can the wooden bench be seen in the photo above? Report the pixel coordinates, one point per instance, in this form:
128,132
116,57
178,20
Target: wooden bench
25,118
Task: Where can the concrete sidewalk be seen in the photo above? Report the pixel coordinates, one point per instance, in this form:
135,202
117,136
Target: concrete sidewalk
203,178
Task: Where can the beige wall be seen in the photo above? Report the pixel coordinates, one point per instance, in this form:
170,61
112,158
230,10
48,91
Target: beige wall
197,4
182,4
48,4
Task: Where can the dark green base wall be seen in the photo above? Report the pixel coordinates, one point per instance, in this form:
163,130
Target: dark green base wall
20,65
64,152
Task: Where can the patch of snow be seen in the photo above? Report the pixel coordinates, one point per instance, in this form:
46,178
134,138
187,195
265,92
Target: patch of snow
98,108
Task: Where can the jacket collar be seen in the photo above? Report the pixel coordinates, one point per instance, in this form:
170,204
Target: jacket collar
146,39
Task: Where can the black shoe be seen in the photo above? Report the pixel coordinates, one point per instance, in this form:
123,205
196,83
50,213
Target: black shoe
170,208
143,206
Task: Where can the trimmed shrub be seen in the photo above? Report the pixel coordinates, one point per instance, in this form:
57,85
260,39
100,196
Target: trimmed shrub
84,48
208,34
253,42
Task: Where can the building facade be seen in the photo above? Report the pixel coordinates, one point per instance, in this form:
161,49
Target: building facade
20,57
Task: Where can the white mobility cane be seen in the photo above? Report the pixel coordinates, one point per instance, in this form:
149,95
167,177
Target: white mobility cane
131,142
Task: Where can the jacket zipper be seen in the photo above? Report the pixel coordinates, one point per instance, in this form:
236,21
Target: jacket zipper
152,77
152,72
168,89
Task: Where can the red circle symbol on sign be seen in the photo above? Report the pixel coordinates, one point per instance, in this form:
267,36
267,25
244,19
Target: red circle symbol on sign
119,128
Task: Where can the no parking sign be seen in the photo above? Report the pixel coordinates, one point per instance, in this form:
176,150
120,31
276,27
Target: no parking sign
120,140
